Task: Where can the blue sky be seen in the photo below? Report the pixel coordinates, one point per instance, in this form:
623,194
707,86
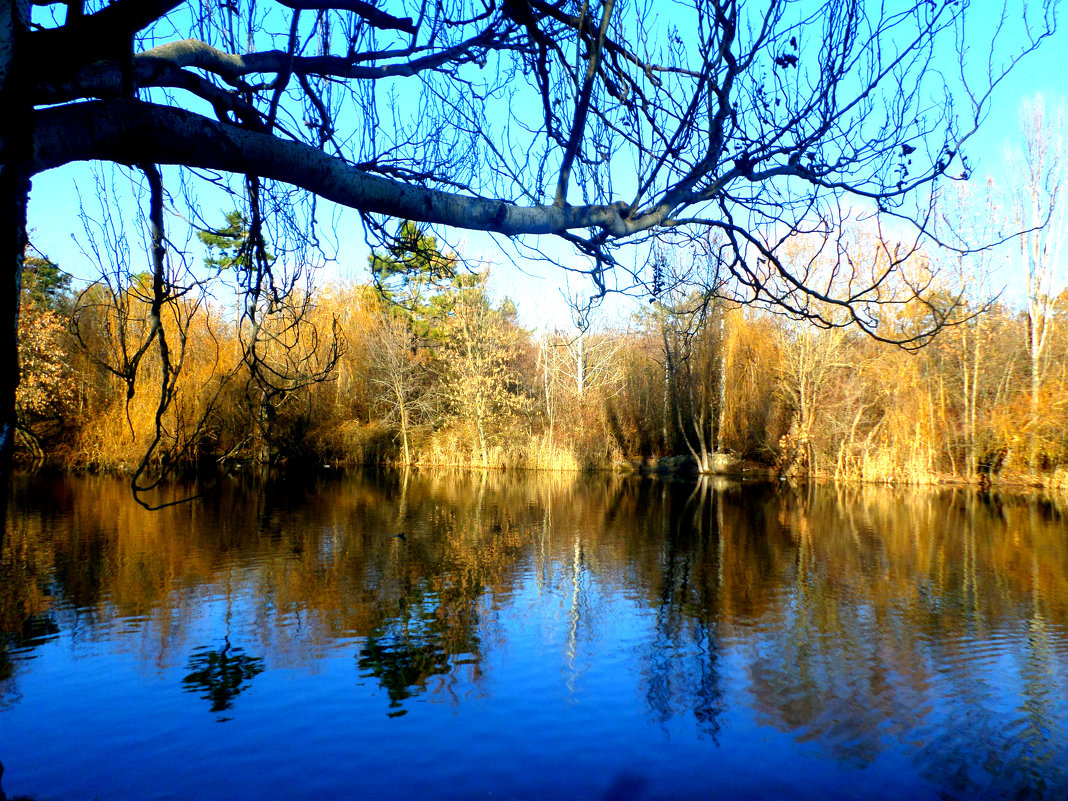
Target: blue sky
538,288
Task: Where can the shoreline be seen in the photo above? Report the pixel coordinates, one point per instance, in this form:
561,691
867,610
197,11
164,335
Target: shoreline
682,467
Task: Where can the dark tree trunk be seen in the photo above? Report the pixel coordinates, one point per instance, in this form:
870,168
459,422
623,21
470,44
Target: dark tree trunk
16,144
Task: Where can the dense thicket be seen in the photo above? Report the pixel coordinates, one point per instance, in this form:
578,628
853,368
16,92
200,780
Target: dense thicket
423,366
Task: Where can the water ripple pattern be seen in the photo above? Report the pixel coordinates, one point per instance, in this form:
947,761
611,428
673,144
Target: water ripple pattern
563,637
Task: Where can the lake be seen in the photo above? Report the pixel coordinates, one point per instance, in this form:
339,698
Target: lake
464,636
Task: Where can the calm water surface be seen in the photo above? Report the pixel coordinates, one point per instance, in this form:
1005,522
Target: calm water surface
532,638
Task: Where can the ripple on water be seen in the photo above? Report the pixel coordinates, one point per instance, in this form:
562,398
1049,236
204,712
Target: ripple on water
606,653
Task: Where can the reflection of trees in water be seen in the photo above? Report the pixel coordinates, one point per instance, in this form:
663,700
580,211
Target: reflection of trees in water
899,629
427,639
825,667
872,621
836,691
859,612
683,672
1039,726
683,676
220,675
34,631
27,592
428,589
985,749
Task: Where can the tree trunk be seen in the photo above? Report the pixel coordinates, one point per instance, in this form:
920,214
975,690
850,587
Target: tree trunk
404,432
16,147
669,377
482,441
550,410
721,416
580,364
1034,458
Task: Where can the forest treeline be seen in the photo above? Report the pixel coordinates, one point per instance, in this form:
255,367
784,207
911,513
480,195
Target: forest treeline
423,366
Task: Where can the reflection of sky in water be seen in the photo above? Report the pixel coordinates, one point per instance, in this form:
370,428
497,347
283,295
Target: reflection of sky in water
608,667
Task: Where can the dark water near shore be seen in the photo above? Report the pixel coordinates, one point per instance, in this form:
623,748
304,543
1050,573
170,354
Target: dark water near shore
554,638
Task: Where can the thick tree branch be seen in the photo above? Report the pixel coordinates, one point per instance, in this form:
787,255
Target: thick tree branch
129,132
105,80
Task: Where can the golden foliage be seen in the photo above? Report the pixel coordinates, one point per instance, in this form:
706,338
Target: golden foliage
483,392
48,386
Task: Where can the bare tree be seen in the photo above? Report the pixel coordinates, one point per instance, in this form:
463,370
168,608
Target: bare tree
123,318
1040,210
690,347
578,368
810,360
600,123
398,372
972,214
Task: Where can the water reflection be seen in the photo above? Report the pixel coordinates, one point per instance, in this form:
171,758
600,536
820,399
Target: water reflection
219,675
433,632
870,627
688,678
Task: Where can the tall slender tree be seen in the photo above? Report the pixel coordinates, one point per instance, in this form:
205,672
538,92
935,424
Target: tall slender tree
1040,210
